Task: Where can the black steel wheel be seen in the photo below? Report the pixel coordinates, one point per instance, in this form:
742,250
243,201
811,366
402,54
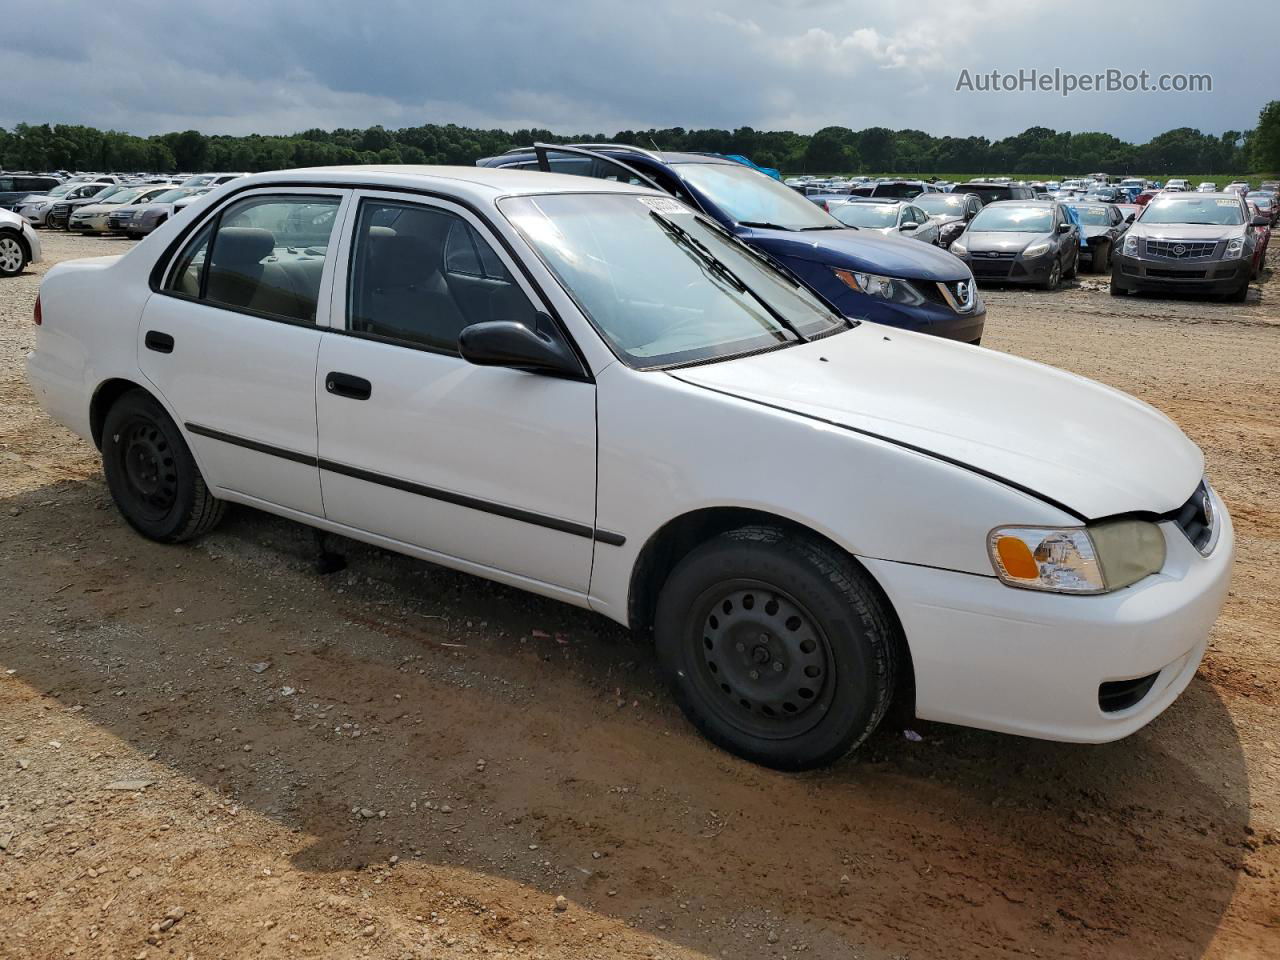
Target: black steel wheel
778,647
150,472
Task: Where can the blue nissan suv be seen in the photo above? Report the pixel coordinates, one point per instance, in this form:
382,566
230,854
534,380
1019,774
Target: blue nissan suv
868,276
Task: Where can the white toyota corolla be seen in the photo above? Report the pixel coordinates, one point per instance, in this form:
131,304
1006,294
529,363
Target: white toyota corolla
588,390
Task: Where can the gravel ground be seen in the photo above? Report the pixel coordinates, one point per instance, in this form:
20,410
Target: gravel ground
209,751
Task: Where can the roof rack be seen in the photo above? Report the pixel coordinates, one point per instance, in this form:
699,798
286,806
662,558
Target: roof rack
589,146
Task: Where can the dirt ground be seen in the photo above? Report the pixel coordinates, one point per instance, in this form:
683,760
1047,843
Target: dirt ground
210,751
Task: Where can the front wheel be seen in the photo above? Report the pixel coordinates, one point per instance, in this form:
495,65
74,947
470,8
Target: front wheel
1055,276
151,475
777,647
13,255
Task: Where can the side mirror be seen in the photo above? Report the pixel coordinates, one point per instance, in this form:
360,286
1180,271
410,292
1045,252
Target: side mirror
1065,227
501,343
1130,218
906,227
1262,221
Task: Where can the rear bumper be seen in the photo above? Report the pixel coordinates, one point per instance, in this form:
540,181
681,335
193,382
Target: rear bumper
1017,661
1203,276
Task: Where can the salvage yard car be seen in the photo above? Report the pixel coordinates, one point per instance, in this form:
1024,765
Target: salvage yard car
1189,242
868,276
1021,241
591,391
19,244
890,217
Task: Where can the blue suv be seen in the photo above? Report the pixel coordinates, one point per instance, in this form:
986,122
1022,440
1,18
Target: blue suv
866,275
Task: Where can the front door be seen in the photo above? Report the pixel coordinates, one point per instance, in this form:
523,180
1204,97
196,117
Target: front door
488,466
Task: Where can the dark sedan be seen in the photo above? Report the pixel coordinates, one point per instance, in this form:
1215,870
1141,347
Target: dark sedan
951,212
1101,227
1021,241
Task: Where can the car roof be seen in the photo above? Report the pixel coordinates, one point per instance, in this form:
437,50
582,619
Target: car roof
477,182
879,201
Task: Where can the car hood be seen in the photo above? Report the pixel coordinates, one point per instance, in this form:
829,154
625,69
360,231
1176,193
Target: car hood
1002,240
868,250
1070,440
1186,231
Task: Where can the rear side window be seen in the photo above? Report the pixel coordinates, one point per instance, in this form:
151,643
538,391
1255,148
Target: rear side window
262,255
420,275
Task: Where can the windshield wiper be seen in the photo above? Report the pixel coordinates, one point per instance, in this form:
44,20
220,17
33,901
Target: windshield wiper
721,269
765,225
832,226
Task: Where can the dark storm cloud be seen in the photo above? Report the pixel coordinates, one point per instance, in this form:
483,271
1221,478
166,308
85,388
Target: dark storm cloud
237,67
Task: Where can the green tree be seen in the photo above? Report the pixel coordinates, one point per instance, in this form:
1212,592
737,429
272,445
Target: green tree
1264,142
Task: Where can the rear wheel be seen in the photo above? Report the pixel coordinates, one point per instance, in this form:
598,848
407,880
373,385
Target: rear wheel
13,255
150,472
778,648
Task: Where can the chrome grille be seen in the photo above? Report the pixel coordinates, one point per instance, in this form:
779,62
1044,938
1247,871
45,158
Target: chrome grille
1182,249
959,295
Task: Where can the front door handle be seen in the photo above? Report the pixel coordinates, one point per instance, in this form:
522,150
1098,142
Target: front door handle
345,385
159,342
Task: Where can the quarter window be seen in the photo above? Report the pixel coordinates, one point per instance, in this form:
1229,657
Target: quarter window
263,255
420,275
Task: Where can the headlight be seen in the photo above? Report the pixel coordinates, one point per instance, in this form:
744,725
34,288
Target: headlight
959,249
1130,248
1095,559
1235,249
1036,249
884,288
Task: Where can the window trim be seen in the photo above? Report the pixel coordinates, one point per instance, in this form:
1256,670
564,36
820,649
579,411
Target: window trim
162,272
352,190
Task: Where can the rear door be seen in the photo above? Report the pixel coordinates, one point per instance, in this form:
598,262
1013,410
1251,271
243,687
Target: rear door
230,341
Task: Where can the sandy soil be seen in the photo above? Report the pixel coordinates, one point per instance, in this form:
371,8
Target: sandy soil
209,751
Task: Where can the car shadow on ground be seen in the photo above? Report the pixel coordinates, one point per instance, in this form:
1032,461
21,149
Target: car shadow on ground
369,697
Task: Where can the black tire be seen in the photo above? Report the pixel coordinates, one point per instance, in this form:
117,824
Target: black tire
1055,276
791,628
1240,295
1102,259
13,254
151,475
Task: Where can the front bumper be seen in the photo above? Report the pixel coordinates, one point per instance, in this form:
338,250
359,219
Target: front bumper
1022,662
34,215
1198,276
1009,268
96,223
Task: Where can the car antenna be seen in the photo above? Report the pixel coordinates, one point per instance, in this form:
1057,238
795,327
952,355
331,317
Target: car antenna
655,145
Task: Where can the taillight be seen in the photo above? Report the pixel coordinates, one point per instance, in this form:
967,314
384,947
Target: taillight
36,315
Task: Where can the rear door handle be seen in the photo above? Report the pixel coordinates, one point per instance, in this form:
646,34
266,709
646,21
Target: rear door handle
345,385
159,342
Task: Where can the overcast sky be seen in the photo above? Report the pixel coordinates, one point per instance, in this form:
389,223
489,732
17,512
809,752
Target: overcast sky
280,66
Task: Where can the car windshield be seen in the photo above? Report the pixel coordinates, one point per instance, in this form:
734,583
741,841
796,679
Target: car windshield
62,189
1192,208
661,284
122,196
872,215
177,193
1091,216
1013,219
749,197
1261,199
937,204
900,191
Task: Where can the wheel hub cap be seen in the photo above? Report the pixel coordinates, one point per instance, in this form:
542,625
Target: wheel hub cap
767,658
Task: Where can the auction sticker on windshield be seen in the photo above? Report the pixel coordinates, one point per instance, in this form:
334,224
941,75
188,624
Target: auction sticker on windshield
664,205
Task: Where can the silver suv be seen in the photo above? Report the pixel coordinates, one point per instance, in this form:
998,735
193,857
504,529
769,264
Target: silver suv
1196,242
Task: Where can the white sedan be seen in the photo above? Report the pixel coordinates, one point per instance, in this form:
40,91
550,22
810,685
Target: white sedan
19,244
590,391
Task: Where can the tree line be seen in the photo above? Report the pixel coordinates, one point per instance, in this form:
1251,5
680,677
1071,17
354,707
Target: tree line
829,150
